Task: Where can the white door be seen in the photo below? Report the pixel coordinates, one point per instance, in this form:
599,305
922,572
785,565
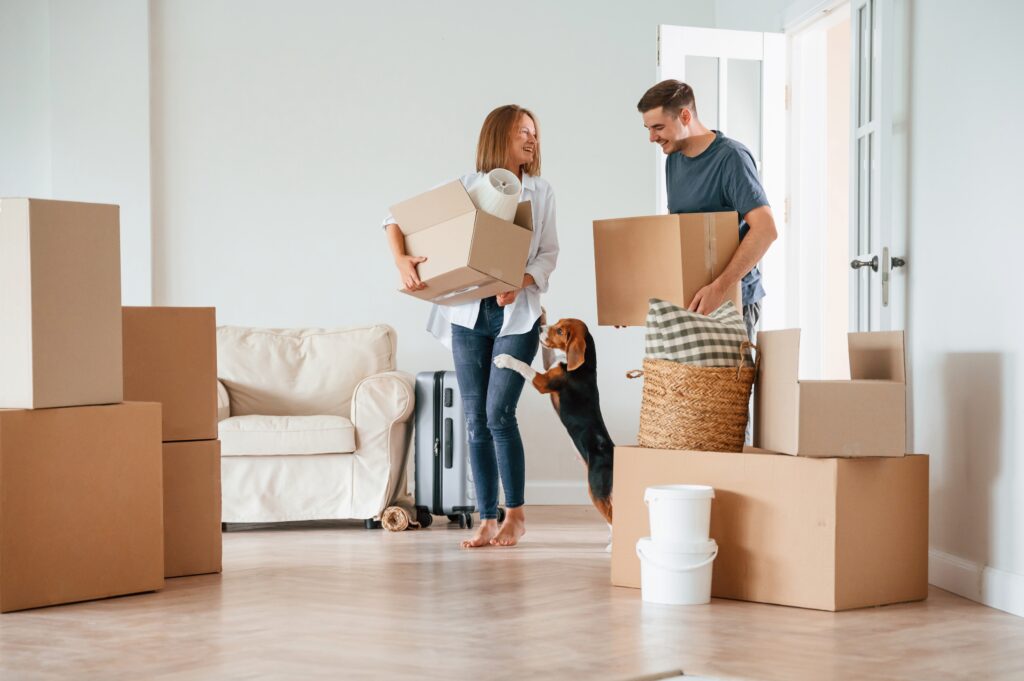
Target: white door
739,84
878,178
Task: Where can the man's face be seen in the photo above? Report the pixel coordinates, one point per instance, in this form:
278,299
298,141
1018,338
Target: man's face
666,130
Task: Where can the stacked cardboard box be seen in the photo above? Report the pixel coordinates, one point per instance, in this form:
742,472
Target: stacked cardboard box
81,497
170,357
829,513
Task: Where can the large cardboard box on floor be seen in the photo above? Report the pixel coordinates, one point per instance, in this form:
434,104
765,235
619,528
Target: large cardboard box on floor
670,257
81,504
829,534
170,356
865,416
192,537
470,254
60,304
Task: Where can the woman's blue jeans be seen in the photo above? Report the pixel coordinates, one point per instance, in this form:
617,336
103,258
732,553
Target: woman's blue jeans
489,399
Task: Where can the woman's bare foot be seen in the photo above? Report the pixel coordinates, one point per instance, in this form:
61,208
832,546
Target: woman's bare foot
485,532
512,529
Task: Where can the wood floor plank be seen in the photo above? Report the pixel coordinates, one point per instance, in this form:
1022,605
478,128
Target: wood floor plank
333,600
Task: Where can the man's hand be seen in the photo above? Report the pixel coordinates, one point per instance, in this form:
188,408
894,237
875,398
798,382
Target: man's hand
506,298
406,265
708,299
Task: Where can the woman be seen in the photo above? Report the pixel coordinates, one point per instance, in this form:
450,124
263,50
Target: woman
507,323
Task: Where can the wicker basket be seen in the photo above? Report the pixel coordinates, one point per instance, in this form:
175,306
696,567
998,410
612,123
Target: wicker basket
695,408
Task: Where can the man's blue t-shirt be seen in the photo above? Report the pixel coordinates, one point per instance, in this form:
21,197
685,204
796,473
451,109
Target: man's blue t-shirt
721,178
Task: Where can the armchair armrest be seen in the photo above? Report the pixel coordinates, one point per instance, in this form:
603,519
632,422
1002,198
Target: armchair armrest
382,409
223,402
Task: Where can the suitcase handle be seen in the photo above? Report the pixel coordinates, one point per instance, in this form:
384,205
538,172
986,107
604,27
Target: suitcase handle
448,435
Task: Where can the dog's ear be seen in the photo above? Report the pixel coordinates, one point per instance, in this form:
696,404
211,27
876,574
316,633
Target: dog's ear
575,348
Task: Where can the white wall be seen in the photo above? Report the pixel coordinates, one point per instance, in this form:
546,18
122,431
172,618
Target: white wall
24,98
965,332
751,15
74,123
283,131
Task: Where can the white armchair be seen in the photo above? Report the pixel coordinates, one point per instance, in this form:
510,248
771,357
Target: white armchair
314,423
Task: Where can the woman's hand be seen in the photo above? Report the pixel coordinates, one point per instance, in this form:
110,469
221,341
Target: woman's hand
509,297
506,298
406,265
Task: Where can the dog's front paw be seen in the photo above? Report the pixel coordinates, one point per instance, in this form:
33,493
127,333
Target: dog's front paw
504,361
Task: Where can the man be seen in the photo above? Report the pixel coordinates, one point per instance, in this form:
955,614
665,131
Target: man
706,171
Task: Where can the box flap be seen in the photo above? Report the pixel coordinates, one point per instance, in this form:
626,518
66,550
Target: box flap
524,215
499,249
777,397
430,208
878,355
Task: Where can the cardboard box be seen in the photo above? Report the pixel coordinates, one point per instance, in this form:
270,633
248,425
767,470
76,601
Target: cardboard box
81,504
865,416
60,304
829,534
170,356
192,537
470,254
670,257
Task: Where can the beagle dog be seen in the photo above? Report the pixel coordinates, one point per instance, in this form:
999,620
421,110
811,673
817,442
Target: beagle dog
573,388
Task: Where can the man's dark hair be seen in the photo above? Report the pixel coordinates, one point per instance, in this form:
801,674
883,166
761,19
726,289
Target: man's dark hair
672,95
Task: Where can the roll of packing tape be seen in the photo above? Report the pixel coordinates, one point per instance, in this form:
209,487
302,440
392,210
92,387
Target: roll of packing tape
497,193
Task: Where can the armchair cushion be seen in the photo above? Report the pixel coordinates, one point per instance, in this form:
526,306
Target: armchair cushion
286,435
300,372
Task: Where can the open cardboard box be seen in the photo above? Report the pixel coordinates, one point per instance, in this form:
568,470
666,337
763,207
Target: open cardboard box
470,254
670,257
829,534
865,416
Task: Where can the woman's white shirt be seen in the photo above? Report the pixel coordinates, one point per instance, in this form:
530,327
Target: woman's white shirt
524,311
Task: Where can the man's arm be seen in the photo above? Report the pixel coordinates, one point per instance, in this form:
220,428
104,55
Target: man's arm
753,247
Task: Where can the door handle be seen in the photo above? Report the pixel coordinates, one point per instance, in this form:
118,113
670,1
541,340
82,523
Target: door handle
873,263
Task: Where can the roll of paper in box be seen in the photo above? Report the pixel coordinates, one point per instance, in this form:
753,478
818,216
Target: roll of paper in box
497,193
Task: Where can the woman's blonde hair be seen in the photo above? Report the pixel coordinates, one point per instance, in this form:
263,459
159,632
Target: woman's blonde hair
494,148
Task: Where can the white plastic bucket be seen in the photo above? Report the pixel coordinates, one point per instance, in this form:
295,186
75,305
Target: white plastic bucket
676,574
679,513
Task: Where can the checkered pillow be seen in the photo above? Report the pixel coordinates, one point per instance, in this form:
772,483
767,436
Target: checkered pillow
676,334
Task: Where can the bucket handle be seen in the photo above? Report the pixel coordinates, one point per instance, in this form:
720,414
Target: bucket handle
644,557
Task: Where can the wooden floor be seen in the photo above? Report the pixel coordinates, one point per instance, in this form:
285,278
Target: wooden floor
340,602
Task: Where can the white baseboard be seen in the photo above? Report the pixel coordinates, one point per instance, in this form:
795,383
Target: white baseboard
557,493
987,585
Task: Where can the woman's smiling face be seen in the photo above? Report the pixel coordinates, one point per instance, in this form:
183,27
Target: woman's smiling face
524,142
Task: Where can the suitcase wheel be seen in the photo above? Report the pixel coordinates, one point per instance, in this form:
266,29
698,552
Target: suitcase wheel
501,514
423,516
466,521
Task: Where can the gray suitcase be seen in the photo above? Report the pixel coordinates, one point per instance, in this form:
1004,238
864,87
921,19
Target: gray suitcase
444,481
